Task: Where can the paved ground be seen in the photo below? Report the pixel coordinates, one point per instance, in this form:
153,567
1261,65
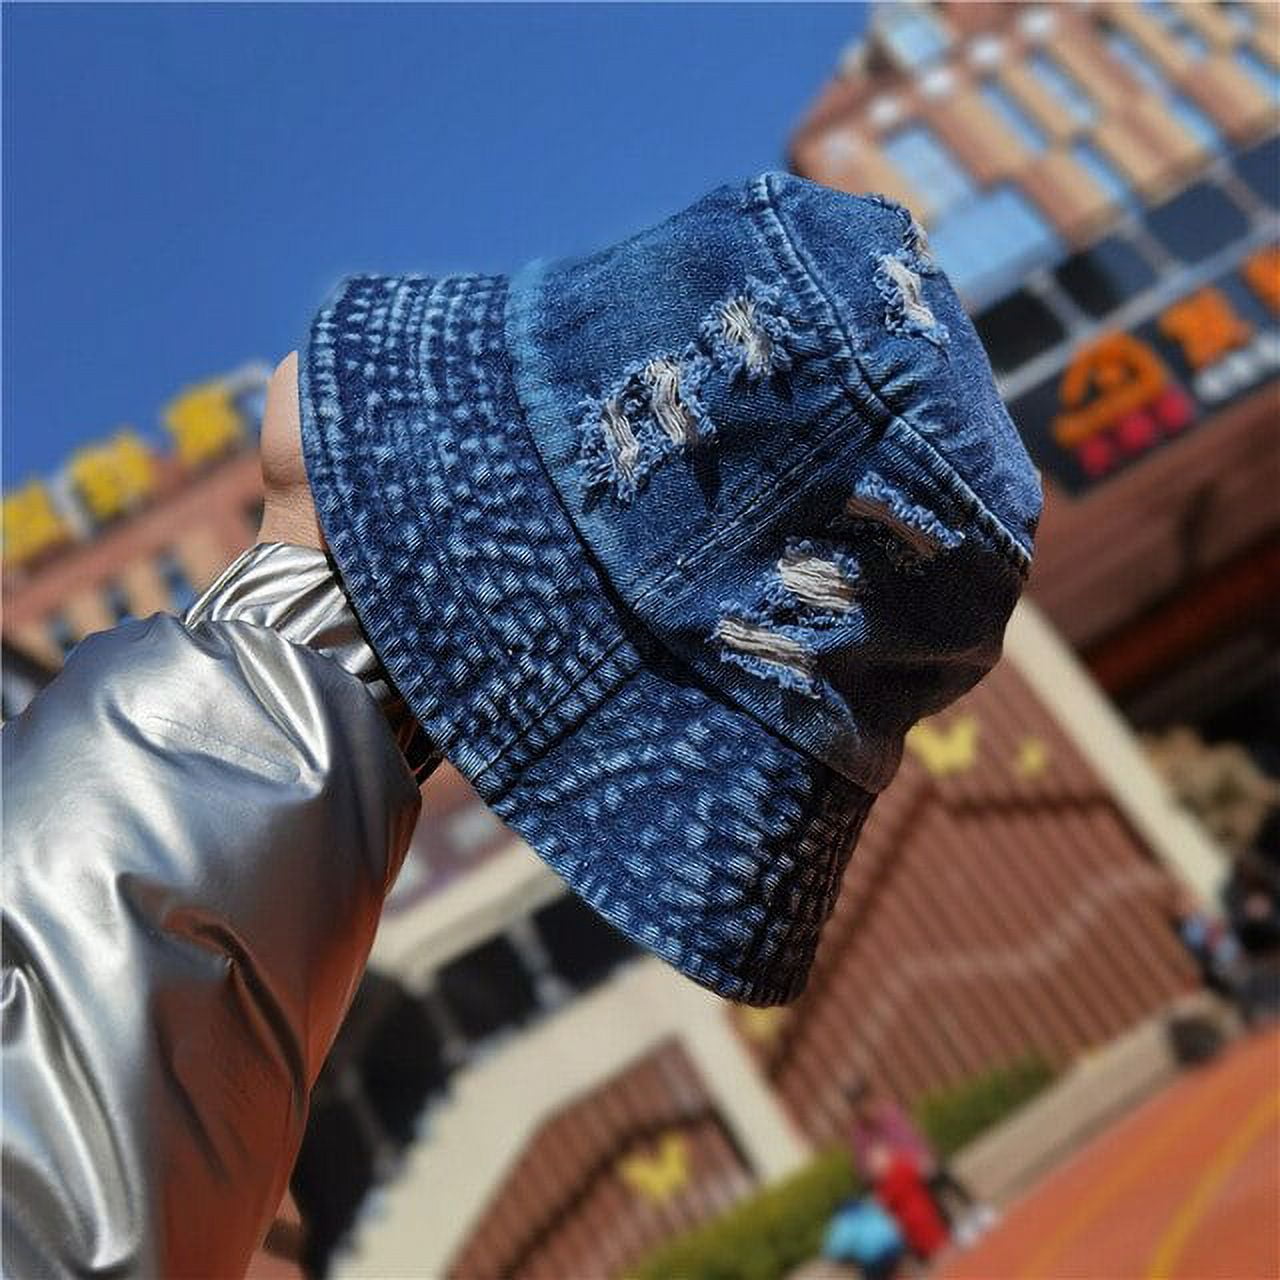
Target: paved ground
1185,1188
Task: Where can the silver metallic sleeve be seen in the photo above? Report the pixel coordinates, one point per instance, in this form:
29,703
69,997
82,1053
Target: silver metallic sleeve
200,823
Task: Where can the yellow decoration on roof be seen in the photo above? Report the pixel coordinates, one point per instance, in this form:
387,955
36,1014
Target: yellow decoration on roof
949,750
204,422
114,476
660,1176
31,523
1032,758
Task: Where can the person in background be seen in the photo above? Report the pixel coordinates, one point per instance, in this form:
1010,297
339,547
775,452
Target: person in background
1252,899
880,1120
900,1187
1212,944
864,1233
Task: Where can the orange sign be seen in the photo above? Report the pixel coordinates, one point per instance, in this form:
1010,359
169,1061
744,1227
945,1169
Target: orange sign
1261,271
1107,379
1205,326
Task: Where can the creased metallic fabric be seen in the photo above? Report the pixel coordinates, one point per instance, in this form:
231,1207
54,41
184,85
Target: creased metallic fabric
296,593
200,824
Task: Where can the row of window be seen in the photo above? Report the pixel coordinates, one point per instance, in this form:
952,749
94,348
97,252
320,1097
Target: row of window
396,1052
916,36
983,236
1191,227
180,590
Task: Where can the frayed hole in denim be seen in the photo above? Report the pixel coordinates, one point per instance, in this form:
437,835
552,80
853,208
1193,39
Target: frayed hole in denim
915,528
623,445
766,652
738,320
748,335
669,411
906,310
816,581
766,645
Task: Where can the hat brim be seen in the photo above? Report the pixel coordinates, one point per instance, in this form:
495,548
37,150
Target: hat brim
685,822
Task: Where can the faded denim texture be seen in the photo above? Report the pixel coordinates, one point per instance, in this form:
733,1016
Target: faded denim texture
668,546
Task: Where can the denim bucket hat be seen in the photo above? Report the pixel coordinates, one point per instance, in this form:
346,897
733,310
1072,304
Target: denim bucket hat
667,547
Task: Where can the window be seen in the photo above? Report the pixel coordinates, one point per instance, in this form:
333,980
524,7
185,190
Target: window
1017,328
1013,115
1194,121
1188,39
991,241
487,989
1104,277
118,602
912,33
1260,71
402,1064
334,1170
1126,52
1239,14
1102,171
1197,222
1124,49
1064,89
582,947
928,166
1259,166
61,634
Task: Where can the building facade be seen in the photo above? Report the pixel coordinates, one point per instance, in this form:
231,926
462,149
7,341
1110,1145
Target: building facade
125,530
1101,184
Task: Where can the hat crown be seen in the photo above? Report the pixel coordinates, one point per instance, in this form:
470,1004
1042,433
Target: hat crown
776,430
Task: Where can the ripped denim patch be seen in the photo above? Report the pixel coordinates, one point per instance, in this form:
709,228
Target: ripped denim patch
747,335
909,535
655,412
897,276
810,603
812,589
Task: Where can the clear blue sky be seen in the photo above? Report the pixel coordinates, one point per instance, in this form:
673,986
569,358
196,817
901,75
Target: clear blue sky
182,185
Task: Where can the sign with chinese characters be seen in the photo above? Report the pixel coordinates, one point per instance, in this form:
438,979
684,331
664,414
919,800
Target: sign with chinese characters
1126,393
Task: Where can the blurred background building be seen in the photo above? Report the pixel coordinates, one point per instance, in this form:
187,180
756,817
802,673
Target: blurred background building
516,1090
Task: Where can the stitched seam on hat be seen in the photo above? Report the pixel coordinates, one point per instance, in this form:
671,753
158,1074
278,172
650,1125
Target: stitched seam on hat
807,281
378,621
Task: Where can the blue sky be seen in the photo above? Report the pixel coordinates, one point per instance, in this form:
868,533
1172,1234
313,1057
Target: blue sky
183,184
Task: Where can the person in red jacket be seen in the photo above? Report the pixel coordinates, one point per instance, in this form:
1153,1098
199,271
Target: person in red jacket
900,1187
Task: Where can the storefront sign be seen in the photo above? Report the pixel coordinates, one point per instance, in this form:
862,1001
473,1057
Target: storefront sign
1127,393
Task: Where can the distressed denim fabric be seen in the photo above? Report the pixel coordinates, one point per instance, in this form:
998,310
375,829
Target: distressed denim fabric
667,547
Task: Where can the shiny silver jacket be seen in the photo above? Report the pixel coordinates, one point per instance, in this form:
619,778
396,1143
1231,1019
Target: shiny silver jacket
201,820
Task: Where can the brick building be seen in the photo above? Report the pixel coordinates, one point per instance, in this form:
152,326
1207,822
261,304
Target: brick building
127,531
532,1096
1101,183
